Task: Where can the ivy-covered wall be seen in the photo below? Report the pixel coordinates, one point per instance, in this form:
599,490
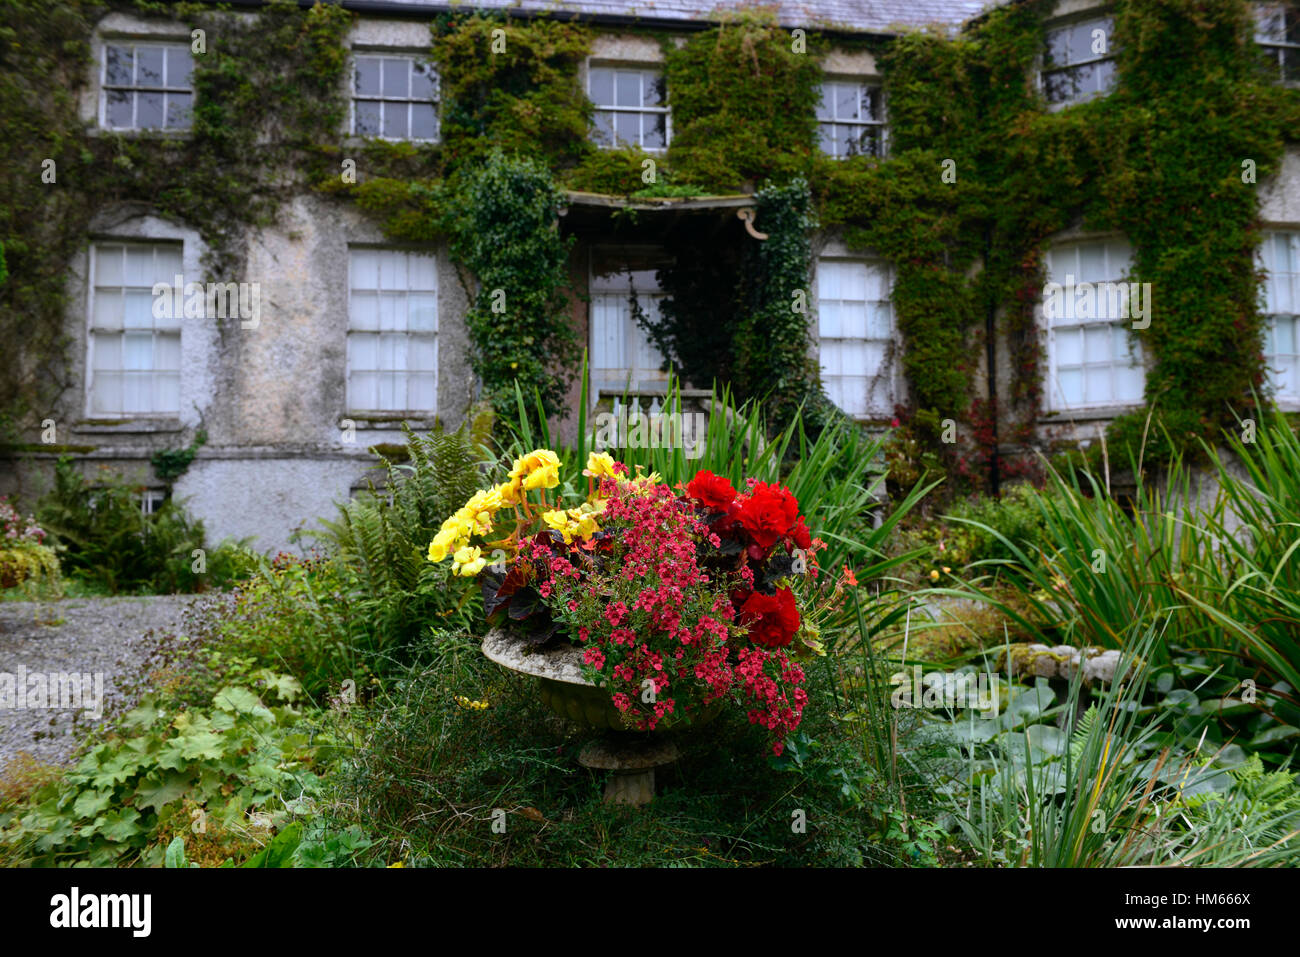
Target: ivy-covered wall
1160,160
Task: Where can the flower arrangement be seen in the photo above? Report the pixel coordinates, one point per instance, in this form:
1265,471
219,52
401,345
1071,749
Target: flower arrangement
681,599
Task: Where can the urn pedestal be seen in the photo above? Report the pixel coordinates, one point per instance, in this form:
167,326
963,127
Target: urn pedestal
631,757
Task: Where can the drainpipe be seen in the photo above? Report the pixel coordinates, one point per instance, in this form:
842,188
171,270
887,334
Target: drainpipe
990,361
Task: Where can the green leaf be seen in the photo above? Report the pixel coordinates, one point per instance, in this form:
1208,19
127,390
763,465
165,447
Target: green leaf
175,856
90,803
121,825
159,789
241,701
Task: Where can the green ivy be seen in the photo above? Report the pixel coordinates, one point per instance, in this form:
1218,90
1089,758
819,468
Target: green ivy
519,320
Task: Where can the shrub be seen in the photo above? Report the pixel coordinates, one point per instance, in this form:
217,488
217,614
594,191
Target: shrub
104,536
382,539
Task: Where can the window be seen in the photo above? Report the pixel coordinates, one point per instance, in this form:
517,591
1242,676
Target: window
392,332
135,358
394,98
623,357
855,329
631,107
851,119
1277,31
1280,256
152,500
1091,360
146,86
1078,64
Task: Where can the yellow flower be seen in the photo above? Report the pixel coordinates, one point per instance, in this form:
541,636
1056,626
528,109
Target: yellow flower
600,465
559,520
583,522
469,561
548,476
534,460
509,492
450,538
934,575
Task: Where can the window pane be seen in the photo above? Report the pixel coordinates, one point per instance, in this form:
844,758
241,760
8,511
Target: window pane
420,395
1104,76
167,263
846,102
655,130
119,65
118,109
139,266
137,310
872,105
1096,386
1129,381
180,65
367,115
1058,47
149,111
363,312
423,122
1096,344
603,133
826,138
107,352
1092,263
108,309
178,111
106,392
826,106
421,272
392,269
137,351
422,81
108,265
148,66
364,391
167,352
166,393
363,352
395,121
627,88
392,311
602,86
422,312
1070,383
1069,347
365,269
628,126
397,77
420,353
367,76
653,91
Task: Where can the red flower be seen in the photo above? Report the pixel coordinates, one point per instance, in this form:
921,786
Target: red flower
772,619
769,514
800,535
711,490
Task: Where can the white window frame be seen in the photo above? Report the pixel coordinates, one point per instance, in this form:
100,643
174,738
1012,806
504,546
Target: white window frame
92,330
385,101
1053,398
1091,19
664,109
135,43
881,125
621,284
1289,400
1275,47
352,406
887,369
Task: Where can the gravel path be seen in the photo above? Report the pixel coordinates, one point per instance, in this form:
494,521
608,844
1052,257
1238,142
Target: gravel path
115,638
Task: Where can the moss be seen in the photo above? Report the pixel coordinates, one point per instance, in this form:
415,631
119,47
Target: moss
390,451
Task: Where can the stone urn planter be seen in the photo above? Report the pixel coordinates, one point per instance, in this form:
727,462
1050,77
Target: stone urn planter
631,757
